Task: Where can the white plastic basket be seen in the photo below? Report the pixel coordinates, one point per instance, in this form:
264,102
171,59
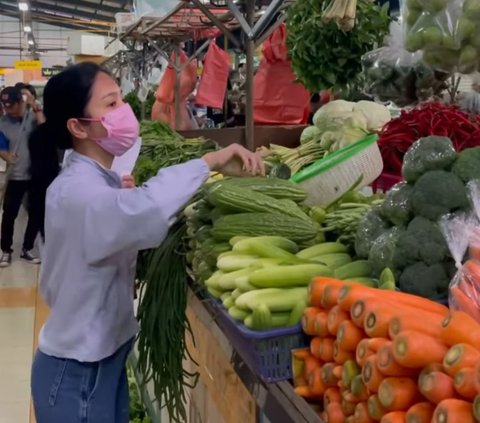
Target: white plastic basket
328,179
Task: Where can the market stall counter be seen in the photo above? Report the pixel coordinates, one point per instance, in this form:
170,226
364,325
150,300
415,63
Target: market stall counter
228,390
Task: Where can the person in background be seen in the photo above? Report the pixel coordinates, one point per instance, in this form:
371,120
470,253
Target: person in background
94,227
315,104
15,129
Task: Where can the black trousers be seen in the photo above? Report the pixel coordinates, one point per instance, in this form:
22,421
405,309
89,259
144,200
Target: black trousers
14,195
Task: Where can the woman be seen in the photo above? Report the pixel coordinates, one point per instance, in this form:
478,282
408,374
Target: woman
93,230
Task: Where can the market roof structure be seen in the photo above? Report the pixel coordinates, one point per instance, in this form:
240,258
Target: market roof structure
88,15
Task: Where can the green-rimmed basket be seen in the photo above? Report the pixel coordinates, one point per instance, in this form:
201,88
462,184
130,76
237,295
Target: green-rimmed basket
328,179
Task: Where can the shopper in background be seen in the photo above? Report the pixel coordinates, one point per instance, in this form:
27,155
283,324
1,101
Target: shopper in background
15,129
93,232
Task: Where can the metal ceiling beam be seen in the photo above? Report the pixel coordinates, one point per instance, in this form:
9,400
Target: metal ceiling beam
103,7
39,6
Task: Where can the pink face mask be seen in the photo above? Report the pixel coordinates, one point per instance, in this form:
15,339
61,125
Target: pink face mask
122,130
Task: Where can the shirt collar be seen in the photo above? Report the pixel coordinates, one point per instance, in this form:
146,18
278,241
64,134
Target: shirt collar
110,175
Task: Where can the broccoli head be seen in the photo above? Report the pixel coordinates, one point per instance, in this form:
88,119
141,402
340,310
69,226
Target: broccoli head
437,193
421,242
467,165
424,280
383,250
430,153
370,227
397,207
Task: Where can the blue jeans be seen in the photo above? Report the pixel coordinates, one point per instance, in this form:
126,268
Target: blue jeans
68,391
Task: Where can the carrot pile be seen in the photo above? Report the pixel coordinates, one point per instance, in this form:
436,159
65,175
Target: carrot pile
386,356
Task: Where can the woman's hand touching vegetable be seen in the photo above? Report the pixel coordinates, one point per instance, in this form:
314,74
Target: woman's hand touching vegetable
235,160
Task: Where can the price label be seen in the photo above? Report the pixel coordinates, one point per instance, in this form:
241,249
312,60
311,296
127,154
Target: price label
28,64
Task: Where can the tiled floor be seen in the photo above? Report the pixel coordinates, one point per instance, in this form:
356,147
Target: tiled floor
21,315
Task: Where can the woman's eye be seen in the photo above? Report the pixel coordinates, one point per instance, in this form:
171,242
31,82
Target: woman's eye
112,104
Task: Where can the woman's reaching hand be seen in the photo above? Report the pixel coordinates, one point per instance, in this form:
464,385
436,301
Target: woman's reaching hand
235,160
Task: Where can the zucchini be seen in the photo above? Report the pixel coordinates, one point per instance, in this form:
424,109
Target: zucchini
276,299
236,239
237,313
266,262
245,244
214,293
372,283
353,270
296,313
322,249
333,261
288,276
225,295
258,224
212,281
241,200
261,317
267,247
236,293
226,282
243,284
273,187
228,302
229,262
277,320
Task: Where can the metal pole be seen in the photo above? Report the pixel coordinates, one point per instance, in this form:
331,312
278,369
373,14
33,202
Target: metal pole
250,52
178,118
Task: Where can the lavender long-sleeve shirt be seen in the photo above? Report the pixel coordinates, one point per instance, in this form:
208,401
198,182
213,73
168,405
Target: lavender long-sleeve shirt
93,231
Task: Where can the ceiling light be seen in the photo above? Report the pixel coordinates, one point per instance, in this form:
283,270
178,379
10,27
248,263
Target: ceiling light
31,42
23,6
27,28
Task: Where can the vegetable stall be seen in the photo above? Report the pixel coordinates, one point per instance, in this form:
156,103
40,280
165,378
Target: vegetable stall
343,285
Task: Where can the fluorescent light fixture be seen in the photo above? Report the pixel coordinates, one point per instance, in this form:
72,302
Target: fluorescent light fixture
31,42
23,6
27,28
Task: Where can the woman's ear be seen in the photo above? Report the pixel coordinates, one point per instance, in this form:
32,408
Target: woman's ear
76,129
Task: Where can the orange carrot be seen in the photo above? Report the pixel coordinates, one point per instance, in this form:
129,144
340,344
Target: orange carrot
331,395
340,356
430,368
336,316
361,413
388,366
337,372
367,347
350,419
429,323
437,386
464,303
416,350
398,393
359,389
316,288
304,392
464,382
372,377
459,328
476,408
315,382
308,320
330,296
349,335
394,417
320,324
326,349
309,365
301,353
348,407
348,294
476,378
375,410
335,413
315,347
453,411
327,375
460,356
421,412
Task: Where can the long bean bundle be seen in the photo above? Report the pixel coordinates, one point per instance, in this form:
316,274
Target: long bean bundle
163,322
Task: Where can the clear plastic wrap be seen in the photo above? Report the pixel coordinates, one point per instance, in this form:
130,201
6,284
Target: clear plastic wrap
392,74
446,31
462,233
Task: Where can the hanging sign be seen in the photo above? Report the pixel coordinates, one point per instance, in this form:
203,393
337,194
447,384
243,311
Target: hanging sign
49,72
28,64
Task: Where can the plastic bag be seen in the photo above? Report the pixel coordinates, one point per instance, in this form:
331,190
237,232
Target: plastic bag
213,84
392,74
462,231
446,31
275,47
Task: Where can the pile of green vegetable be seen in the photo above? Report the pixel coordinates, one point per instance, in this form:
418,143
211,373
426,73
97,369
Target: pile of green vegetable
403,233
447,31
323,56
132,99
162,147
263,281
137,410
336,125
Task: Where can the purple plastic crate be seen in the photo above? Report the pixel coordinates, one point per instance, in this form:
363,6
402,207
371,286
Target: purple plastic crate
267,353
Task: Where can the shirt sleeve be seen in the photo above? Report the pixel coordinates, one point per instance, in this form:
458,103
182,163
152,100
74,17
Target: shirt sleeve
4,143
139,218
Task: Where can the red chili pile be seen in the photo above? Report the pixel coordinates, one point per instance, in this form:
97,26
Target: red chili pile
428,119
